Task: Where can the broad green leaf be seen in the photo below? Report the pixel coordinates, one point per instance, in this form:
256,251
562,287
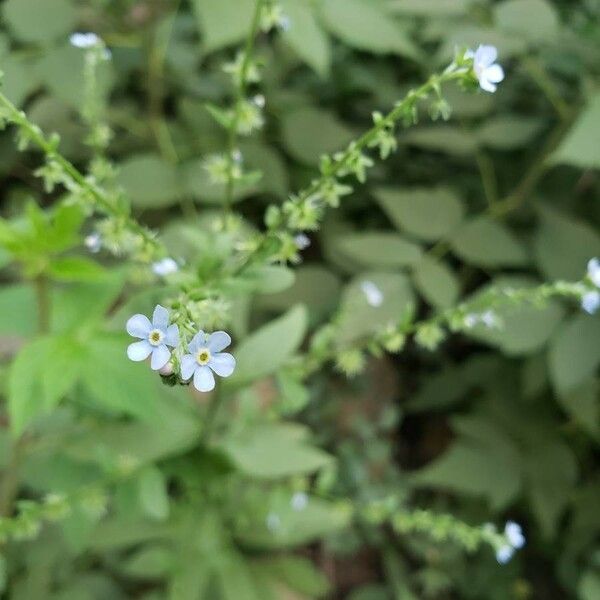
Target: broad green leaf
309,132
574,354
299,574
447,139
40,22
42,373
274,451
365,25
76,268
580,148
428,213
117,384
265,350
378,250
153,494
150,181
358,318
436,282
20,77
534,20
306,36
589,586
486,243
272,279
430,8
551,471
223,23
563,245
150,562
583,407
508,132
22,322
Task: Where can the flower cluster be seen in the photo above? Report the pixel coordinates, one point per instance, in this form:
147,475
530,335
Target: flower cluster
204,352
515,540
591,300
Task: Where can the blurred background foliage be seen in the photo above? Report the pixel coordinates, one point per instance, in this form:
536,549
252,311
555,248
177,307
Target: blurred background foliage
499,424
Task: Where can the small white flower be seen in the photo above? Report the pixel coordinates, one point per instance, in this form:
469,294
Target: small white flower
490,319
487,71
372,293
593,271
273,522
167,370
93,242
504,554
84,40
238,157
155,337
259,101
299,501
285,23
591,302
514,535
164,267
302,241
204,357
471,320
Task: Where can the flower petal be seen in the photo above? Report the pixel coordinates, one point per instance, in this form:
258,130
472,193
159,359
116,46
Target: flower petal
217,341
139,326
591,302
222,364
486,55
204,380
160,318
486,85
188,366
160,357
593,271
494,73
139,351
198,341
172,337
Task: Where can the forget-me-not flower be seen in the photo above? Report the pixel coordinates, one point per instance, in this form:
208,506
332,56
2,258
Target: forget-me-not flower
205,356
84,40
487,71
590,302
164,267
514,541
299,501
372,293
155,338
593,271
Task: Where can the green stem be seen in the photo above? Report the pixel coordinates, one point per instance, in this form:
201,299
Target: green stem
35,135
240,96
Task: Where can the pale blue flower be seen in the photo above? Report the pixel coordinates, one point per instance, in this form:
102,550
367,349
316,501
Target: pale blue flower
504,554
299,501
514,535
273,522
372,293
164,267
84,40
93,242
155,338
593,271
487,71
302,241
591,302
205,356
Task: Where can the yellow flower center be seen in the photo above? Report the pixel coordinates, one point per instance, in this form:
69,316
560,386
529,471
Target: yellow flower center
156,337
203,356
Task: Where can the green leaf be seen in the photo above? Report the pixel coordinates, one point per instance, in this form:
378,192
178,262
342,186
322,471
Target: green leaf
358,318
306,37
265,350
274,451
309,132
583,407
430,8
223,23
426,213
150,181
365,25
563,245
222,117
580,148
589,586
436,282
150,562
153,494
299,574
508,132
22,322
76,268
486,243
534,20
574,354
40,22
41,374
378,249
117,384
448,139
